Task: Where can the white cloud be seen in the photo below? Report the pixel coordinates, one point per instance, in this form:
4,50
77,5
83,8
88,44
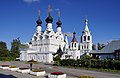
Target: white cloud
29,1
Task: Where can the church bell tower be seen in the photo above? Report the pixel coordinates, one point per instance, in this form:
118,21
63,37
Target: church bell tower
86,39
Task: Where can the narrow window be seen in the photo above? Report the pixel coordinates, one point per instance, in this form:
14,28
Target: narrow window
75,44
87,46
84,38
72,44
88,37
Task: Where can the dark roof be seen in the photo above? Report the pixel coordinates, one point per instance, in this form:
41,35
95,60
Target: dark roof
59,52
74,37
49,19
39,22
112,46
59,23
109,48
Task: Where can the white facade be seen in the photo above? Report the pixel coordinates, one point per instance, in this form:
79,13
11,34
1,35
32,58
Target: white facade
45,43
77,50
72,52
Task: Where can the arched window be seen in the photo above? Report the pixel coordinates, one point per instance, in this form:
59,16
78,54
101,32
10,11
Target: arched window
75,44
84,46
84,38
72,44
40,49
87,46
88,37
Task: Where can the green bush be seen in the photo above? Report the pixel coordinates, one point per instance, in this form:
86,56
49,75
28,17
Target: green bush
37,70
85,77
13,67
87,63
117,65
7,58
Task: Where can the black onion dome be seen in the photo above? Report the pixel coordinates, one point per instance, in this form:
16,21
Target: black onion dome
39,22
30,42
59,23
49,19
74,33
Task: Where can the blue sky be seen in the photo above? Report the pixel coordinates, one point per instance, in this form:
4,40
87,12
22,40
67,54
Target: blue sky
18,18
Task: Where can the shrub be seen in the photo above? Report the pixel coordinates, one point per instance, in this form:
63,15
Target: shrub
56,63
85,77
13,67
88,62
23,68
117,65
37,70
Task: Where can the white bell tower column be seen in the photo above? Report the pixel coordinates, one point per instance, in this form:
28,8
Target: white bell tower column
86,38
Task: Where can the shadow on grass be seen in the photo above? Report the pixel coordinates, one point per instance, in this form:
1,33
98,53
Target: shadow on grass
7,76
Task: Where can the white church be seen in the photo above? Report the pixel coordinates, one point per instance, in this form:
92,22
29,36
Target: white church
45,43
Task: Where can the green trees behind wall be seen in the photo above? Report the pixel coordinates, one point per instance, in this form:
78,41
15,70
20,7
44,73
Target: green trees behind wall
4,52
13,53
15,44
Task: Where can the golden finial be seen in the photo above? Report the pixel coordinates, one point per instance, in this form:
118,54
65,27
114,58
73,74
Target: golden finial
86,20
39,13
49,9
58,14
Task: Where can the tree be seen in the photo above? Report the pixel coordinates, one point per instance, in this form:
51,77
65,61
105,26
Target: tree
4,52
86,61
23,46
3,49
59,52
3,45
94,47
15,47
100,46
57,60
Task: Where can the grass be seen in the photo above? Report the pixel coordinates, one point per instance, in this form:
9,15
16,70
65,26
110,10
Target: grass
94,69
85,77
105,70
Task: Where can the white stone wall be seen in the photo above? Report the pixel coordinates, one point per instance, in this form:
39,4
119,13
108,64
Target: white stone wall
23,56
